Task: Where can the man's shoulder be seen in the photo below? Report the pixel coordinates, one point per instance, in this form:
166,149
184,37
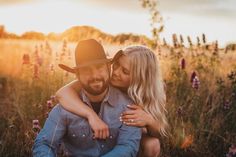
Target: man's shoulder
119,97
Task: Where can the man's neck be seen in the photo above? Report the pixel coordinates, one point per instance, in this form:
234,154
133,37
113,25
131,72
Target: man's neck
97,98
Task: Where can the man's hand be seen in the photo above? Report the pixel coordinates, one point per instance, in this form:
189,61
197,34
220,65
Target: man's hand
100,128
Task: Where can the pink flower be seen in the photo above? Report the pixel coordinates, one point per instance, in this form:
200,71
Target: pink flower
227,105
26,59
49,104
193,76
232,151
196,83
36,127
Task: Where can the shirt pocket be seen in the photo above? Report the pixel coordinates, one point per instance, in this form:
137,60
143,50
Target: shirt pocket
81,137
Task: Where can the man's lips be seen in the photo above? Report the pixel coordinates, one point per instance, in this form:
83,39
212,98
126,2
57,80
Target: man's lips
96,83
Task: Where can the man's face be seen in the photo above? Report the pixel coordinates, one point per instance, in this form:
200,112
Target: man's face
95,78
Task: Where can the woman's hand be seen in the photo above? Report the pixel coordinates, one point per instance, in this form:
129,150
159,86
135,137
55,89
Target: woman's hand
100,128
136,116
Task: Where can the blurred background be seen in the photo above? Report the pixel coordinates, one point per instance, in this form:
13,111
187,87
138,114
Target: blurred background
195,41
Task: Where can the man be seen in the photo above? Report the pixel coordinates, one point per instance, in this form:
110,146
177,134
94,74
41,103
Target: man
93,71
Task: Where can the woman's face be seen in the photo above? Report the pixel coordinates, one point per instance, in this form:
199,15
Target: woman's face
121,73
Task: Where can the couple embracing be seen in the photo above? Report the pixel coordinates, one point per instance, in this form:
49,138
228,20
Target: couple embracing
115,108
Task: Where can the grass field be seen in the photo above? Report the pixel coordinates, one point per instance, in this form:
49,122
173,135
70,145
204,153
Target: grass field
200,85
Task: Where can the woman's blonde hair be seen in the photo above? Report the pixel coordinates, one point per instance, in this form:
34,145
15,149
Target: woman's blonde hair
147,86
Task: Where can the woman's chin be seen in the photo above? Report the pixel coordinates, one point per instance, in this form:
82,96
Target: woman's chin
115,83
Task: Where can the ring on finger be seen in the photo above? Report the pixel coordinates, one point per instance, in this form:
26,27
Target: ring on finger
131,120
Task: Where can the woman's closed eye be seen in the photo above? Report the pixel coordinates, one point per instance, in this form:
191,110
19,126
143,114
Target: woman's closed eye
125,71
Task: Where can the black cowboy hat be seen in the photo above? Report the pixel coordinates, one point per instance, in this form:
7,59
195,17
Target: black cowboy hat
87,52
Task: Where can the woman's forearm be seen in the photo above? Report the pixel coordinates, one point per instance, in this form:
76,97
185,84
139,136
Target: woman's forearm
153,128
69,99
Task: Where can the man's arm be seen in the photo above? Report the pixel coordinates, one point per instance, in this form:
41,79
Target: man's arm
127,142
50,136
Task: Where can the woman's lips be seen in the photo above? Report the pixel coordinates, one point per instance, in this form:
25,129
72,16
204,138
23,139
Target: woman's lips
114,78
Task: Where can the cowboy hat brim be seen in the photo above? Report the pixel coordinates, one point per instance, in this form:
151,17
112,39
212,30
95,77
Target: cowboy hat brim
73,69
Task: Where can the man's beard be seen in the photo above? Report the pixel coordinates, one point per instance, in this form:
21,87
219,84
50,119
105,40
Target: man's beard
93,90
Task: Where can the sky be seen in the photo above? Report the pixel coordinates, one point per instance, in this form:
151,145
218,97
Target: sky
215,18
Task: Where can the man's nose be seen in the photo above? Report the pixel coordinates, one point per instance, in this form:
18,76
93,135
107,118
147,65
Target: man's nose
95,73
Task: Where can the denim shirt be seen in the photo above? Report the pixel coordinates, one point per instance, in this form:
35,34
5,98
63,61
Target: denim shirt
76,135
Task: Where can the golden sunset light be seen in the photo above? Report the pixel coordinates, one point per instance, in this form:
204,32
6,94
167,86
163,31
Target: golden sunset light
121,17
117,78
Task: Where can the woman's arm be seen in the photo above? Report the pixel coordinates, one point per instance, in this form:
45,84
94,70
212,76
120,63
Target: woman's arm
69,99
136,116
153,127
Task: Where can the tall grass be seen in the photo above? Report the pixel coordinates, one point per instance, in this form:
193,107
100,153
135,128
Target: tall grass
201,110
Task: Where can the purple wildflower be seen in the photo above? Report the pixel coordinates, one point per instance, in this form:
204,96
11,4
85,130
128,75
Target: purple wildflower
195,83
183,63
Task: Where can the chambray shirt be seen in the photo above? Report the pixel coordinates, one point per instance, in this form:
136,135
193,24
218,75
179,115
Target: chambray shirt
76,135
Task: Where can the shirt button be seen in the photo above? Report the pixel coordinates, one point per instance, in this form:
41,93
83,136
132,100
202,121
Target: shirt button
102,146
83,135
111,136
73,135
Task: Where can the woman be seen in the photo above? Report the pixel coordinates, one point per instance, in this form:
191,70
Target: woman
136,72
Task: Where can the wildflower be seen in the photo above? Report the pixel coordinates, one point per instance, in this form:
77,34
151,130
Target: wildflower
26,59
216,46
190,41
39,61
188,140
175,40
36,127
193,76
180,111
232,151
204,38
46,114
183,63
198,41
195,83
181,39
227,105
49,104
